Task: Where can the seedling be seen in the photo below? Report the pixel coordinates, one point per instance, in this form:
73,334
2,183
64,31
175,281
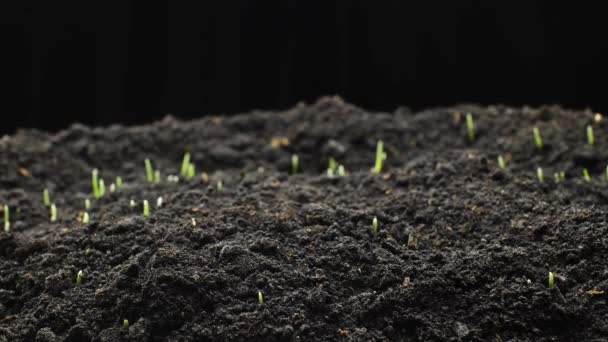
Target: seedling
95,183
125,323
341,171
132,203
85,218
375,224
79,277
112,188
260,298
191,171
538,140
501,163
590,135
157,176
220,186
586,175
185,164
7,217
102,188
159,202
46,198
146,208
557,178
551,280
87,204
149,171
118,182
331,168
540,175
294,164
380,157
193,222
470,127
53,213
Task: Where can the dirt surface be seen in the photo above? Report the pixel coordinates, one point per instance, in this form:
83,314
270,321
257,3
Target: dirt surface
462,253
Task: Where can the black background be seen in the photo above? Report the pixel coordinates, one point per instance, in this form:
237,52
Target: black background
132,62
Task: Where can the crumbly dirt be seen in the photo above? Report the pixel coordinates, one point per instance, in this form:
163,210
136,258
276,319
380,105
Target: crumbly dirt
462,253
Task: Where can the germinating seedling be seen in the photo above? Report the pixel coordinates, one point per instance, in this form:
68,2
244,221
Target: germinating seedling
79,277
118,182
46,198
380,157
331,168
85,218
185,164
220,186
7,218
470,127
87,204
586,175
551,280
540,175
157,176
53,213
295,161
149,171
159,202
102,188
538,140
125,323
501,163
375,224
146,208
590,136
260,297
341,170
112,188
95,183
132,203
191,172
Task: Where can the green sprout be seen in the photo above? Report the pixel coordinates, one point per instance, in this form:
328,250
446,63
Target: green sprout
551,280
85,218
295,161
132,203
558,177
540,175
53,213
193,222
46,198
538,140
586,175
146,208
191,171
79,277
7,217
380,157
341,170
102,188
470,127
590,136
159,202
118,182
220,186
87,204
157,176
375,224
149,171
260,298
125,323
331,169
185,164
501,162
95,183
112,188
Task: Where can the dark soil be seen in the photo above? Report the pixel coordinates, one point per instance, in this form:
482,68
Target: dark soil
463,250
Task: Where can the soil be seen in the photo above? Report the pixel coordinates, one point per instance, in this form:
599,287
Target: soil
462,253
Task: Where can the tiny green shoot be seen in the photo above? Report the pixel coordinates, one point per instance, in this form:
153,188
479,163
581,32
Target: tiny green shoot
185,164
132,203
375,224
193,222
149,171
191,171
146,208
53,213
295,161
46,198
85,218
102,188
220,186
501,162
112,188
540,175
470,127
125,323
118,182
380,157
590,135
79,277
538,140
157,176
87,204
95,183
341,170
557,178
260,298
159,202
331,169
7,217
586,175
551,280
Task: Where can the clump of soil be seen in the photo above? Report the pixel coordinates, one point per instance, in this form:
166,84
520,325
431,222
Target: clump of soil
463,249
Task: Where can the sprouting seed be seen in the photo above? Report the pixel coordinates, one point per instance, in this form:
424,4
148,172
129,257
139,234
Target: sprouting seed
341,170
562,176
260,297
85,218
46,198
470,127
191,171
87,204
590,135
557,177
95,183
146,208
220,186
112,187
159,202
157,176
538,140
79,277
125,323
540,175
586,175
193,222
185,164
331,168
551,280
7,217
294,164
53,213
375,224
380,157
501,162
102,188
149,171
118,182
132,203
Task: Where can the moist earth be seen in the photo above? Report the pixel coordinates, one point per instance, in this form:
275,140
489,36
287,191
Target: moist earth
463,249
